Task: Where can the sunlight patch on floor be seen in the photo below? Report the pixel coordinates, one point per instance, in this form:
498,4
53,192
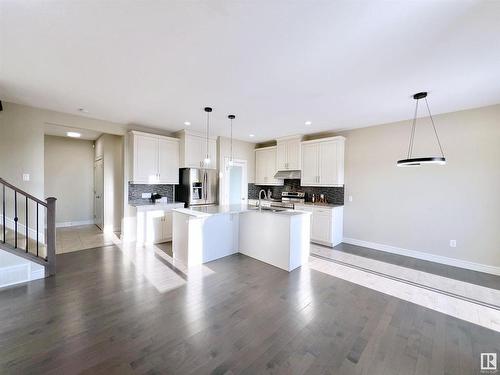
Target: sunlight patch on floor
163,272
470,312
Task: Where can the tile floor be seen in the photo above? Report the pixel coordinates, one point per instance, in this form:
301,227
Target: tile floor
82,237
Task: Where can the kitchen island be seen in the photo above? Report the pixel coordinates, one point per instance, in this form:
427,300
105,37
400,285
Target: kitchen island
277,237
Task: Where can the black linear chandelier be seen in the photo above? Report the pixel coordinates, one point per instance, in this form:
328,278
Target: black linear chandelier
416,162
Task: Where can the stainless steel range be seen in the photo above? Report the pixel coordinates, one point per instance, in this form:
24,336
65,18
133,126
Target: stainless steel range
292,197
288,200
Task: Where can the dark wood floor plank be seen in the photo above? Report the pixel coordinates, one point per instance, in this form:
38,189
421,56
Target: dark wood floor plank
103,315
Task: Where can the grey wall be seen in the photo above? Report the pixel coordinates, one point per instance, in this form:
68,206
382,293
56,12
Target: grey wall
69,176
421,209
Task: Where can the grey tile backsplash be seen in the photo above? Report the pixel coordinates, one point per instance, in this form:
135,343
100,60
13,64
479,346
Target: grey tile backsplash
333,195
135,191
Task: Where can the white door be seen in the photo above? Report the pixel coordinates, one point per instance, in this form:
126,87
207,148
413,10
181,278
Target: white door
235,187
168,161
260,167
309,174
271,167
281,156
328,163
167,226
321,227
99,193
195,151
293,154
145,159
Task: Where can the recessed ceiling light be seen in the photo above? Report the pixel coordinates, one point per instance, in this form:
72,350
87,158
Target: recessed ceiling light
251,135
187,123
83,110
308,122
73,134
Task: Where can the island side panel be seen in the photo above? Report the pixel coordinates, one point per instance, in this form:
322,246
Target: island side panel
180,235
300,240
266,237
220,236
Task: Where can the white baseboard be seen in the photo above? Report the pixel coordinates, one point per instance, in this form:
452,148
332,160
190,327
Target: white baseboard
21,229
426,256
65,224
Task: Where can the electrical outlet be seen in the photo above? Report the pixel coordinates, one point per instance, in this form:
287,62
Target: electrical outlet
146,195
26,176
350,198
453,243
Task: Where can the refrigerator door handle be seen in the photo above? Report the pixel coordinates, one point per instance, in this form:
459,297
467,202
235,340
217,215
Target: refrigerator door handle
205,179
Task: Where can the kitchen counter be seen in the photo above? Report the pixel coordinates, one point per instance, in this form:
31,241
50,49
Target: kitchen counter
316,204
206,211
277,237
146,206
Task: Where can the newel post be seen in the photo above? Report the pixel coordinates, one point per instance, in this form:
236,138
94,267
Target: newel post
51,236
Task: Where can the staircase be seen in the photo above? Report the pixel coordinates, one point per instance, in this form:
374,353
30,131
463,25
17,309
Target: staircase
27,235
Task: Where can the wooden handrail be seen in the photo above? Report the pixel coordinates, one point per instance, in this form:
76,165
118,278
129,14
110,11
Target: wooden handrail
39,201
50,205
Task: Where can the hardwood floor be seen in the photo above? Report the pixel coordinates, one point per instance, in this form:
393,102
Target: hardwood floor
102,314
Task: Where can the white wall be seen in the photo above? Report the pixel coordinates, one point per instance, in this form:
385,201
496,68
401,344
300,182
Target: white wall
110,149
69,176
241,150
422,209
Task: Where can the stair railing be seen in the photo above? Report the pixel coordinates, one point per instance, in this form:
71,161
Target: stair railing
50,238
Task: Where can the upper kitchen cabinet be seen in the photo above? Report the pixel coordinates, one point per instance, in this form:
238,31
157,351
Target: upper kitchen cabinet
155,159
265,166
193,150
323,162
288,155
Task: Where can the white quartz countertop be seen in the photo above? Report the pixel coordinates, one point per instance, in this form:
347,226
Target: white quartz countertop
317,204
205,211
156,206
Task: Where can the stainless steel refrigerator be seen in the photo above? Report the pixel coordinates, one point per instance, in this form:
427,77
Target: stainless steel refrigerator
198,187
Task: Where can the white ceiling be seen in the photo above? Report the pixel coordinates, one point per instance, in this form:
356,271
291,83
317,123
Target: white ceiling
60,130
275,64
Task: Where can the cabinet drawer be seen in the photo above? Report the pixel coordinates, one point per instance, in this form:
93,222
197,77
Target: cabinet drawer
322,211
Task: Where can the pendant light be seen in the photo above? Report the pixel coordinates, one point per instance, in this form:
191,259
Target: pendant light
231,118
207,156
411,161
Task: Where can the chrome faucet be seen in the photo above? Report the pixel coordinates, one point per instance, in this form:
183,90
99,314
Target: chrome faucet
260,198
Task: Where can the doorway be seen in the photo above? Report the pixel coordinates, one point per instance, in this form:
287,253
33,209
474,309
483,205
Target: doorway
235,186
98,193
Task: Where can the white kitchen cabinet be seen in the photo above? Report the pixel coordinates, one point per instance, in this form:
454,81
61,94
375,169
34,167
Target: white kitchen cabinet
168,160
288,153
265,166
326,223
154,222
155,159
323,162
193,150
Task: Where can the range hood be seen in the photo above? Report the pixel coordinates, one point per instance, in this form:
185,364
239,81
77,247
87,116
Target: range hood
288,175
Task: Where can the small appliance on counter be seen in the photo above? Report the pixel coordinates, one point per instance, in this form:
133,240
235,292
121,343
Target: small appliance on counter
155,197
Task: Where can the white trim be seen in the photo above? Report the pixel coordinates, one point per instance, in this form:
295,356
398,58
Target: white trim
65,224
426,256
21,229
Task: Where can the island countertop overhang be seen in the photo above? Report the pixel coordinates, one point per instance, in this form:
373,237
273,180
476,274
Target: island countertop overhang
207,211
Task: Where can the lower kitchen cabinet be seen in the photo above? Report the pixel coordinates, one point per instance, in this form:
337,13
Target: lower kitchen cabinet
154,223
326,223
